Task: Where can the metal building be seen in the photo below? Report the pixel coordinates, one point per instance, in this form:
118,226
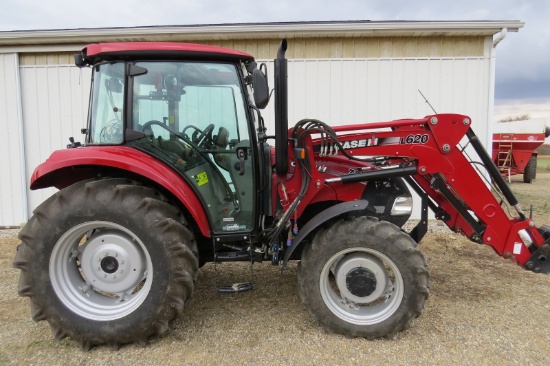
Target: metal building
339,72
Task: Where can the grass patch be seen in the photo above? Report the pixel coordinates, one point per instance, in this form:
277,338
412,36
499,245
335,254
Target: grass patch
543,163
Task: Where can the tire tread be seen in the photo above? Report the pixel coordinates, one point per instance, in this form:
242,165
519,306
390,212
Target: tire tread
169,225
354,232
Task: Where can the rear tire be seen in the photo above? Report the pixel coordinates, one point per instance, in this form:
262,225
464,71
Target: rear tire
530,172
107,262
363,278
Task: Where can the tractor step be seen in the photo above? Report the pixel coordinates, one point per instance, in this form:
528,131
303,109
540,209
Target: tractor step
234,285
235,288
243,256
229,277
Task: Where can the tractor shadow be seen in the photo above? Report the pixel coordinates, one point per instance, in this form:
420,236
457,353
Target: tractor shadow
273,301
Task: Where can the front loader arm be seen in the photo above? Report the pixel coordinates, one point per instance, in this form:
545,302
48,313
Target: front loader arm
428,151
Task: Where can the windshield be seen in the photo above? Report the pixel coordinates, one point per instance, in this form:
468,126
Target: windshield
189,95
107,104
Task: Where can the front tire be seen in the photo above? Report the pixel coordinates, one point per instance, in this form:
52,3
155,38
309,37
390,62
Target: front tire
363,278
107,262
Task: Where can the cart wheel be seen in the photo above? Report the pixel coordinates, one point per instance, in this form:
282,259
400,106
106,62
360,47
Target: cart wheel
530,172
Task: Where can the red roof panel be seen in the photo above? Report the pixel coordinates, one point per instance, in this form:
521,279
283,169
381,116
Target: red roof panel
168,47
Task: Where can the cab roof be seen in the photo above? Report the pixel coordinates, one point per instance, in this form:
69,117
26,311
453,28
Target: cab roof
159,50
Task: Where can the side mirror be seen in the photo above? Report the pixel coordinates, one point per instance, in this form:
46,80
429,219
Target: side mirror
261,88
79,60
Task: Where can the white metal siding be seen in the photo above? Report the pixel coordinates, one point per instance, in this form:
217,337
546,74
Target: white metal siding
337,91
348,91
11,176
55,105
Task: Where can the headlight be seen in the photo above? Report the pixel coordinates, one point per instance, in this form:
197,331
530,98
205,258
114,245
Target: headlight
402,206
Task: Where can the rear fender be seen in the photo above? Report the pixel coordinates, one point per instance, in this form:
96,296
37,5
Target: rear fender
319,219
65,167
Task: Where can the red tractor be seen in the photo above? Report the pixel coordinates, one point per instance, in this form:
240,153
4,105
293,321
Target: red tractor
176,170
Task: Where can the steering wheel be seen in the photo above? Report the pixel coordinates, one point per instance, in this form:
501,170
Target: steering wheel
202,138
147,126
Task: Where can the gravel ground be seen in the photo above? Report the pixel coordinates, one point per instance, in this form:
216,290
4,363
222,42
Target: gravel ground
482,310
8,233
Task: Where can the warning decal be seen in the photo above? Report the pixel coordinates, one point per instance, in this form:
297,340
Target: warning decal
201,179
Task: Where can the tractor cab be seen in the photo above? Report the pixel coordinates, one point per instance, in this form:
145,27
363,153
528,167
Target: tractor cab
192,115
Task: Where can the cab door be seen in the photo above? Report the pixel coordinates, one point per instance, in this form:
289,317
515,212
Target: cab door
193,116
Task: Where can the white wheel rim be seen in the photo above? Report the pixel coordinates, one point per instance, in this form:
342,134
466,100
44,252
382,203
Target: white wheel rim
105,278
375,305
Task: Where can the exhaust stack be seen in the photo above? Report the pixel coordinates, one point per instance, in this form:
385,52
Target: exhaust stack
281,111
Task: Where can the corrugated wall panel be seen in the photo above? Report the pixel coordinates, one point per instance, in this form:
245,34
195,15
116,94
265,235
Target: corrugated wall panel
348,91
349,99
356,91
356,47
11,188
337,91
55,58
55,105
323,47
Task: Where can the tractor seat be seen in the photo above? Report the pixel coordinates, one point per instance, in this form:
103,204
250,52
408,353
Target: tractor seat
222,138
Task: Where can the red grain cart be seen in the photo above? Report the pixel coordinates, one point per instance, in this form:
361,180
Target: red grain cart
514,145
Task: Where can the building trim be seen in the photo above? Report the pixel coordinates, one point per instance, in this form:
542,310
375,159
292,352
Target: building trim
21,133
258,31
